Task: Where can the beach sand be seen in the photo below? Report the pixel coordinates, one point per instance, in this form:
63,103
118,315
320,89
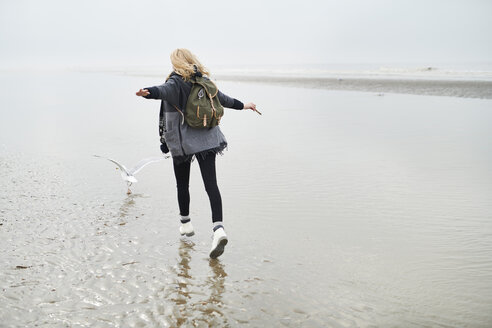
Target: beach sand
343,209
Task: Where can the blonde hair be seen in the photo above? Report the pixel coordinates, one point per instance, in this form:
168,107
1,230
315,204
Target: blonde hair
184,62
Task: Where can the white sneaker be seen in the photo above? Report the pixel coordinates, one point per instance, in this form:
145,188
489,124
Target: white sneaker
218,244
186,229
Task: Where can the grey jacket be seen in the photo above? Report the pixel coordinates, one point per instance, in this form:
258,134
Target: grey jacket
182,140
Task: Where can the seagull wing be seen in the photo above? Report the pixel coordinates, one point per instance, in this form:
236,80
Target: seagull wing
122,167
144,162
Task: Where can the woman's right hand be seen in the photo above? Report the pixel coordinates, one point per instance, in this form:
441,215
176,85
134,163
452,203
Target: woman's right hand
142,92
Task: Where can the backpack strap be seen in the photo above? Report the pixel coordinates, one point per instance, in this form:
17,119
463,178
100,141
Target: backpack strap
192,80
183,117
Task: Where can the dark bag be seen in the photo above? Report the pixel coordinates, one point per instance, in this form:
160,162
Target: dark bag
162,123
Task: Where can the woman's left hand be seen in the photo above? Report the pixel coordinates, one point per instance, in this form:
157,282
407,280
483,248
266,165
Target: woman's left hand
251,106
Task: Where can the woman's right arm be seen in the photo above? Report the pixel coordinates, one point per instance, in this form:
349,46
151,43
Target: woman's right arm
167,91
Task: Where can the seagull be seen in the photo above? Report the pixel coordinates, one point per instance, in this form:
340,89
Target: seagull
129,174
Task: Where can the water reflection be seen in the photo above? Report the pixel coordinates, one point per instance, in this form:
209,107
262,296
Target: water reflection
216,282
183,284
210,310
128,204
198,303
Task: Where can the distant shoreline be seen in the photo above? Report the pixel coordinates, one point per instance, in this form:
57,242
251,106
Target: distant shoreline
452,88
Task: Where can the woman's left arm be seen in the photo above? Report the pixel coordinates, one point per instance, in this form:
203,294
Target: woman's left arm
230,102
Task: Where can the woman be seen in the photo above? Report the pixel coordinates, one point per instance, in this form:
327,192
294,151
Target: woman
186,143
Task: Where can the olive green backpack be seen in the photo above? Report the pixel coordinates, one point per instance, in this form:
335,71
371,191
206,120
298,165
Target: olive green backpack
203,108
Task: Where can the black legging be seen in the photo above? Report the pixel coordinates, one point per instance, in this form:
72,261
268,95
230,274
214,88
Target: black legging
207,168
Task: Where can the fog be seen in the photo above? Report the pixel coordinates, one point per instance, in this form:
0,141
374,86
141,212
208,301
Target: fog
229,33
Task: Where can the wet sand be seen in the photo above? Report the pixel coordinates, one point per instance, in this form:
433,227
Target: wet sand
434,87
343,209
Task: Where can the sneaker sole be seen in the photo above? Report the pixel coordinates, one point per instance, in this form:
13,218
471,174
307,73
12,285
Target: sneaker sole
188,234
219,250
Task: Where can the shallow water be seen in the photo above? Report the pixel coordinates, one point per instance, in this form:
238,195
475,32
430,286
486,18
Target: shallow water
343,209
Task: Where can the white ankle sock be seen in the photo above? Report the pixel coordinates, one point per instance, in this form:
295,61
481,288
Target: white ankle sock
217,225
185,219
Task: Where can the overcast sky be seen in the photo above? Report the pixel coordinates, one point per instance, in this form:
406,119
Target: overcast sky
249,32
